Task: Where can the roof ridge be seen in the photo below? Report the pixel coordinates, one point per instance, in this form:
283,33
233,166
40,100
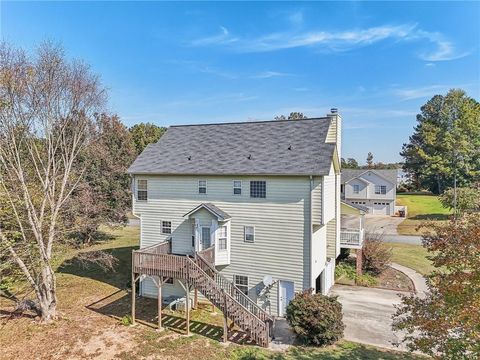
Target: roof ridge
251,122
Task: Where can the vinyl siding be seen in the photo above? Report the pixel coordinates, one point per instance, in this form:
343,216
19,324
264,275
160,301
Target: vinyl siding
332,238
281,220
317,201
319,252
329,190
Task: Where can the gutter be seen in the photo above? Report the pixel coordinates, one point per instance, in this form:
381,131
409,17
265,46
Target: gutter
311,231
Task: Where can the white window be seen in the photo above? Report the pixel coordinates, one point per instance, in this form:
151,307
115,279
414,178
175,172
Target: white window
166,227
380,189
241,282
356,189
258,189
222,238
142,192
249,234
237,187
202,186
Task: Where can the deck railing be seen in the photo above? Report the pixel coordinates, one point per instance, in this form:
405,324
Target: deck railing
245,313
351,237
231,289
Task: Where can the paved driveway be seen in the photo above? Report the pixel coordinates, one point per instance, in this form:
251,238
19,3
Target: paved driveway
367,314
382,224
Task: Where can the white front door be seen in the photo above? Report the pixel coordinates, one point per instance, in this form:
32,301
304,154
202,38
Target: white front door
205,238
285,295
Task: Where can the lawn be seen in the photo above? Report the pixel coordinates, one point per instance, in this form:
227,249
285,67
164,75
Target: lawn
412,256
420,208
92,303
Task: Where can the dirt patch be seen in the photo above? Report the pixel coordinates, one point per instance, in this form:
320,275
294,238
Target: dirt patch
394,280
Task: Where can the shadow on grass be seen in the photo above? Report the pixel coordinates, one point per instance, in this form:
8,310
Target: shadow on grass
118,304
120,277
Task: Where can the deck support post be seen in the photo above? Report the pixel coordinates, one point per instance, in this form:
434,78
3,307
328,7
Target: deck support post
195,298
225,328
359,261
134,285
187,308
160,300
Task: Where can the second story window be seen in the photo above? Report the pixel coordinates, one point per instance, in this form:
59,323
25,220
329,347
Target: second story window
166,227
222,238
237,187
356,189
380,189
258,189
249,234
202,186
142,192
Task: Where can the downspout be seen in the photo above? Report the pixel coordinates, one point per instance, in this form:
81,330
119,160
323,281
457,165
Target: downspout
311,233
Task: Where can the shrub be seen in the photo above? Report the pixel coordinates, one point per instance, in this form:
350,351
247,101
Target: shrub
345,270
366,280
126,320
316,319
377,255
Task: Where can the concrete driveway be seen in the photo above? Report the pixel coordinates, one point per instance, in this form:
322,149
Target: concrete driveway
367,314
382,224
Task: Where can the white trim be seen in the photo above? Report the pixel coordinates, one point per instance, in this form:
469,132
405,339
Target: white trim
206,187
241,187
245,234
248,282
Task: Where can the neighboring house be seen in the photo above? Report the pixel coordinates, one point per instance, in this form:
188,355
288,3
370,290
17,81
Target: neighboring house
259,200
371,188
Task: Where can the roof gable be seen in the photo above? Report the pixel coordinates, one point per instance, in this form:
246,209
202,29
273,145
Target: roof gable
212,209
389,175
288,147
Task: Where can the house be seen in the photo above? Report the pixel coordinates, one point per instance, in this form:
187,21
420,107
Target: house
244,214
374,189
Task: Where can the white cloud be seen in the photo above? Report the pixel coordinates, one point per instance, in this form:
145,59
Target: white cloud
223,38
336,41
269,74
421,92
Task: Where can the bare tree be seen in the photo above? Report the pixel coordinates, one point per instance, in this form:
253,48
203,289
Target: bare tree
47,108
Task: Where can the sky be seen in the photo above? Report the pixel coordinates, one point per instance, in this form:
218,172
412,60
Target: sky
205,62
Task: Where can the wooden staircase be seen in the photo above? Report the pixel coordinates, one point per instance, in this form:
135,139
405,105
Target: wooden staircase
201,275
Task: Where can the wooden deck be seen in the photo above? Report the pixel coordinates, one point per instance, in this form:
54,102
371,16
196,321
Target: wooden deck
198,272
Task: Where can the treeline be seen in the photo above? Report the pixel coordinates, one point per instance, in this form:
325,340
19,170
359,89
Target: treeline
351,163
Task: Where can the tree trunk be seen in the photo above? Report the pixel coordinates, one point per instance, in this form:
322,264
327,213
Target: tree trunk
47,295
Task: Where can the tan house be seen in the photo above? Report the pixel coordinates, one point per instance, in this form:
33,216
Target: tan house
244,214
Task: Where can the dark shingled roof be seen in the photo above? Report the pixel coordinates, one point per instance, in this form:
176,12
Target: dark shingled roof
280,147
215,210
390,174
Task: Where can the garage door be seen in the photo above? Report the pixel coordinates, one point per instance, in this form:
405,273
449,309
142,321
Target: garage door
381,208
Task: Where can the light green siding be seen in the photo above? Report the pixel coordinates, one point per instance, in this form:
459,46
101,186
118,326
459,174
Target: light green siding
281,220
332,239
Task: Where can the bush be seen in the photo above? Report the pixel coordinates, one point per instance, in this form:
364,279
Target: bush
316,319
126,320
377,255
366,280
345,270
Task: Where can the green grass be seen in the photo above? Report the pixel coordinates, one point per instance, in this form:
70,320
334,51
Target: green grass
412,256
420,208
